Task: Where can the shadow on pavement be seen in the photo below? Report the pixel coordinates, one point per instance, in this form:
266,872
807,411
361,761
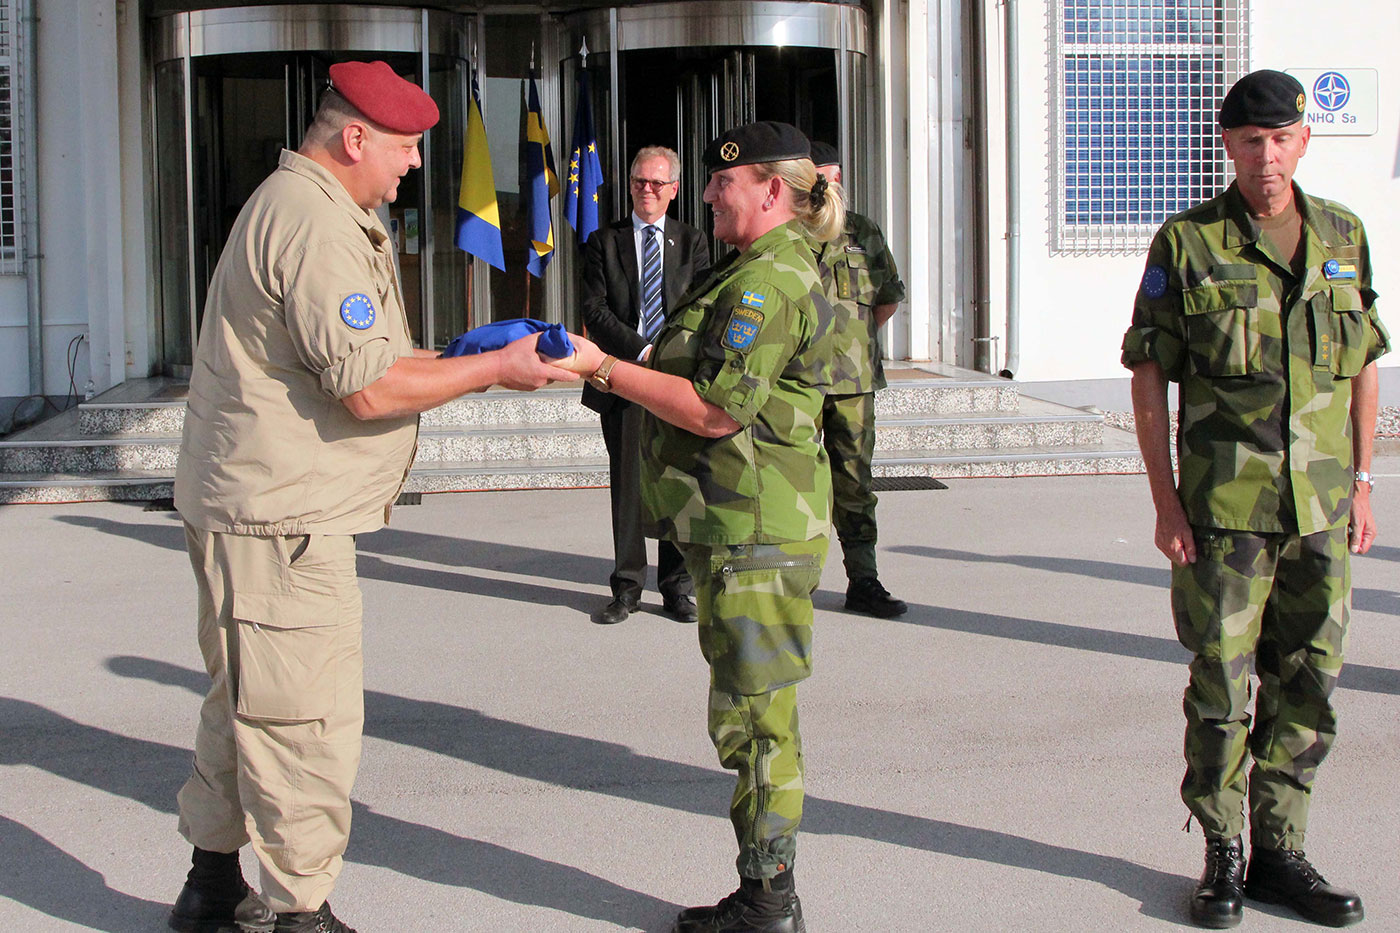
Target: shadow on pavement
593,765
1362,598
40,875
454,552
151,772
1364,677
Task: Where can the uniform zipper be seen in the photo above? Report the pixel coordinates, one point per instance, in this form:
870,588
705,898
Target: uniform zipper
762,563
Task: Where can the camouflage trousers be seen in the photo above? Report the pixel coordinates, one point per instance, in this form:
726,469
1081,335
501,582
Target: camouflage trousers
1281,601
848,434
755,627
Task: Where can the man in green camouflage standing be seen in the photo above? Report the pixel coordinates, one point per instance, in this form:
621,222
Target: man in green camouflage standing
863,286
1259,304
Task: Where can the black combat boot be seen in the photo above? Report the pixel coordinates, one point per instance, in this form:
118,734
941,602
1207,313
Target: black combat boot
216,899
865,594
1218,901
1284,876
311,921
759,906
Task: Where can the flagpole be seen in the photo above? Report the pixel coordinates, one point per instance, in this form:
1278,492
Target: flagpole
527,268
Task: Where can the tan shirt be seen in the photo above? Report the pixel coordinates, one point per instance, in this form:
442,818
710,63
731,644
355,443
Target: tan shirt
304,309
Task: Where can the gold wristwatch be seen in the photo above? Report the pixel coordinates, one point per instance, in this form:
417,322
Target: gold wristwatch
602,376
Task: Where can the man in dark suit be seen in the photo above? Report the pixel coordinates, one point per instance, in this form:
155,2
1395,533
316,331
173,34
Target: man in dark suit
634,274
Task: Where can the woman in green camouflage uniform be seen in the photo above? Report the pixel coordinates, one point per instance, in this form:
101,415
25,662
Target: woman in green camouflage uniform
734,472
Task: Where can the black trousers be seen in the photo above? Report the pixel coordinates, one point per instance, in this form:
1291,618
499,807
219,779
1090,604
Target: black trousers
622,427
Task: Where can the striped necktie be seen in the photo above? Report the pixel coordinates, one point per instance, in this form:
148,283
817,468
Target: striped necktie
651,282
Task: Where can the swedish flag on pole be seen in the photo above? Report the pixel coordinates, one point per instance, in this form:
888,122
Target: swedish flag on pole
541,184
585,171
478,219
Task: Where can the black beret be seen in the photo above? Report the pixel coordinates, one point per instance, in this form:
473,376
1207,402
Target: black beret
767,141
1270,99
824,154
374,89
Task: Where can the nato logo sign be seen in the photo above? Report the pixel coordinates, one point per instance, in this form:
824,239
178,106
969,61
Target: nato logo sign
1341,101
1331,91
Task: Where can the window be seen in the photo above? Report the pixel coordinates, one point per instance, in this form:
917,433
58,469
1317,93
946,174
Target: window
1139,83
11,239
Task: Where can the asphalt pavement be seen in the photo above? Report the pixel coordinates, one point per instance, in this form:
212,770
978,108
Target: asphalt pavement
1005,757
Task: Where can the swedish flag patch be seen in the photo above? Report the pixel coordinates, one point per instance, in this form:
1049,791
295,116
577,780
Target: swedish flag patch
752,300
742,328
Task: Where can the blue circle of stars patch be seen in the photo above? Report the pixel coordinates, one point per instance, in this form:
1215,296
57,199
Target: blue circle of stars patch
1154,282
1331,267
357,311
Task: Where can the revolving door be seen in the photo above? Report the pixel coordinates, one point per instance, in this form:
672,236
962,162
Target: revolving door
234,87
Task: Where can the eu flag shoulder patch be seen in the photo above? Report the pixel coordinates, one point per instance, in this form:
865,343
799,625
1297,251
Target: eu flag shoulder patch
742,329
753,300
1154,282
357,311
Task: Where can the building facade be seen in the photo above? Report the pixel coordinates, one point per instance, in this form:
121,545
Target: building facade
1018,152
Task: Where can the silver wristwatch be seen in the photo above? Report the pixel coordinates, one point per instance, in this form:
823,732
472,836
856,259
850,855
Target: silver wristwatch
1363,477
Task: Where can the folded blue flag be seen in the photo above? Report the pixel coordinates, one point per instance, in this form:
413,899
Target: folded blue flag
554,339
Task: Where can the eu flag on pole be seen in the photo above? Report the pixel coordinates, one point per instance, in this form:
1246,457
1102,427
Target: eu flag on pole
585,171
478,219
541,184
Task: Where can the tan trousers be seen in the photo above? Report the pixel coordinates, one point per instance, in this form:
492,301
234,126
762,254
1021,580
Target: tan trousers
278,742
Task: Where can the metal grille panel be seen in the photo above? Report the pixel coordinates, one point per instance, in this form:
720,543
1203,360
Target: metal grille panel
1137,84
11,234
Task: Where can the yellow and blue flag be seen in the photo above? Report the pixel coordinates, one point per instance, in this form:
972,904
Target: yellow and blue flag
585,170
478,218
541,184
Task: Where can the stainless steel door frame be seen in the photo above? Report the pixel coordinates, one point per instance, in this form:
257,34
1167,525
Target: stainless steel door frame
301,27
297,28
693,23
845,29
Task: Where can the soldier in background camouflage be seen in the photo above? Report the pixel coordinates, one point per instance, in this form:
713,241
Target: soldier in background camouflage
733,471
863,285
1259,304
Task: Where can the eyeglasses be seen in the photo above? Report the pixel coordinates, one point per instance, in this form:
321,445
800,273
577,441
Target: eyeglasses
653,183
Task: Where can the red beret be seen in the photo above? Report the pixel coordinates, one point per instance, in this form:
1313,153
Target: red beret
394,103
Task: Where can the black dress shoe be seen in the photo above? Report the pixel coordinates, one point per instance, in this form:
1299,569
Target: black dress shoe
681,607
865,594
1218,901
616,611
1284,876
216,899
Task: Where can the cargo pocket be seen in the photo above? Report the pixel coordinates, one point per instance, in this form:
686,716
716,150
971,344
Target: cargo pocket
289,652
1222,328
1342,330
296,649
760,634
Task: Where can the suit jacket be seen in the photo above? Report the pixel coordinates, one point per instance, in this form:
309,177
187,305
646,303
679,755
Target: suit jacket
612,294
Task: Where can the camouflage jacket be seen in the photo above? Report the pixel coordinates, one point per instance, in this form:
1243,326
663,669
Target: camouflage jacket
1264,360
859,274
755,339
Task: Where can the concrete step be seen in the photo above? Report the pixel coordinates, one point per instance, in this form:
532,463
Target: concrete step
1117,454
1036,424
104,486
933,421
157,406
